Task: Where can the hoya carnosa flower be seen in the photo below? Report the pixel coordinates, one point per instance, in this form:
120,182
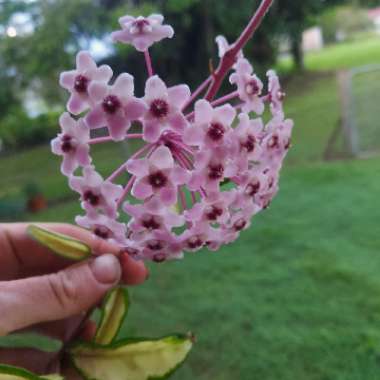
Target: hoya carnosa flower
78,81
142,32
72,144
213,209
249,87
96,193
276,95
211,125
152,216
203,171
247,136
211,167
157,176
164,108
115,106
104,227
278,139
160,246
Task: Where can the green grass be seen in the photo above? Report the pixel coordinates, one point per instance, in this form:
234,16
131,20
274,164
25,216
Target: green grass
296,298
347,55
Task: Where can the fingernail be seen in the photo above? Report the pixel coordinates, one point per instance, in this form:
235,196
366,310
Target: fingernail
106,269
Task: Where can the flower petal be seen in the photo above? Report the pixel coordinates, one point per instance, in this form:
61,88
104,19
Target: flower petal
141,190
168,195
179,95
155,88
162,158
203,112
139,168
85,61
135,108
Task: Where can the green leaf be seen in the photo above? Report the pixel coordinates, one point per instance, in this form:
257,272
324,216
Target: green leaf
60,244
15,373
132,359
114,311
30,340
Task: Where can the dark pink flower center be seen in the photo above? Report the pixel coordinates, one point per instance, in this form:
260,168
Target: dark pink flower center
155,245
216,131
249,144
252,88
195,242
216,171
252,189
157,179
140,25
150,223
67,144
81,84
213,212
159,258
111,104
273,142
240,224
159,108
92,198
102,232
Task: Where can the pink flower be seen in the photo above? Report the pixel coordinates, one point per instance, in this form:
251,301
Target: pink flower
116,107
142,32
247,138
249,87
212,209
240,221
276,95
211,125
78,81
198,236
103,227
72,144
164,106
157,176
278,139
152,216
160,246
211,168
97,194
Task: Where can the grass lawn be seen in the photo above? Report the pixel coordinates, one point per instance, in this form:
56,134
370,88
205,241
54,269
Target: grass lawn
363,51
296,298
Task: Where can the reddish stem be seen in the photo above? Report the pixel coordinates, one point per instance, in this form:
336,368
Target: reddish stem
196,93
122,168
229,57
225,98
148,62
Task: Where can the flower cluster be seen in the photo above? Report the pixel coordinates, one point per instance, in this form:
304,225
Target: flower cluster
202,174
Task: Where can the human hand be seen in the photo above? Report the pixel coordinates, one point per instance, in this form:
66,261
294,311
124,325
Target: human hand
50,295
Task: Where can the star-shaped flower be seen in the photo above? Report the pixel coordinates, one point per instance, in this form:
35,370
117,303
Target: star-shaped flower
164,108
157,176
116,107
78,81
72,144
142,32
249,87
96,193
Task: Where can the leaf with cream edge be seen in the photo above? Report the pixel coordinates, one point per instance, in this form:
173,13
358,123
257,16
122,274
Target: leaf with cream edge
132,359
15,373
62,245
114,311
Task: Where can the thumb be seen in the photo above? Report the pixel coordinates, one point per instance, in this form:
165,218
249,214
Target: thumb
56,296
